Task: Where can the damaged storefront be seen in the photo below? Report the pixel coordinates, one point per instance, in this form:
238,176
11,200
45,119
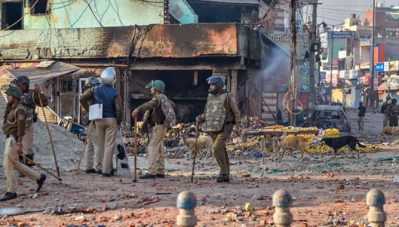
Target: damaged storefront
181,55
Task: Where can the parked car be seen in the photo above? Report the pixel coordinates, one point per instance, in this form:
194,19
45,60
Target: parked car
329,116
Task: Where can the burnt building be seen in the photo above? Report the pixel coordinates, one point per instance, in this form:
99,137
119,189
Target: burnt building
159,42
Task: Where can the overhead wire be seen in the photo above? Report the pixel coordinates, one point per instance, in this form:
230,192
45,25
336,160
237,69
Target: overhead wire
259,24
156,2
70,2
60,3
349,10
92,12
67,14
330,18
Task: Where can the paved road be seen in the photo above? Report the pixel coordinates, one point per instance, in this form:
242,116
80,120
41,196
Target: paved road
372,122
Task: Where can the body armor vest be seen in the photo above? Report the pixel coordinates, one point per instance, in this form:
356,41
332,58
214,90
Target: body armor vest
215,113
30,107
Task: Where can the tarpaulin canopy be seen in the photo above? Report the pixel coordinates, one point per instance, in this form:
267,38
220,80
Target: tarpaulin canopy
44,71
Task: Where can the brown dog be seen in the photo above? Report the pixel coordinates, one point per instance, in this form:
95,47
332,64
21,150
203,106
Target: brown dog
270,144
390,130
291,143
204,143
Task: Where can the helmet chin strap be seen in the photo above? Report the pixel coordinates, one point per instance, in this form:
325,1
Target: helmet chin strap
214,91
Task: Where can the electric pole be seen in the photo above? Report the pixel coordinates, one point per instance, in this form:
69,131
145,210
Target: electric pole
371,91
312,97
293,67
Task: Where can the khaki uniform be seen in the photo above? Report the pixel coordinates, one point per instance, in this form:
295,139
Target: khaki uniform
14,129
156,157
221,113
156,117
93,157
29,101
106,132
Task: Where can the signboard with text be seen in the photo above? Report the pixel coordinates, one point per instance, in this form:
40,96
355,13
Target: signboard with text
379,67
342,34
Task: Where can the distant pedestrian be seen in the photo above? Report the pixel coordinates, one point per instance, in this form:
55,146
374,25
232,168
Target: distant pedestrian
393,114
362,113
384,110
107,126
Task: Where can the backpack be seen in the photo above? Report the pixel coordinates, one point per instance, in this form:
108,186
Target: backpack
168,111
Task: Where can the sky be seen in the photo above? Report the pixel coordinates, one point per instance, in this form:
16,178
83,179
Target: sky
333,12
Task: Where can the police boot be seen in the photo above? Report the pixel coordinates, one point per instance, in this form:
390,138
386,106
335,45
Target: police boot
8,196
40,182
223,178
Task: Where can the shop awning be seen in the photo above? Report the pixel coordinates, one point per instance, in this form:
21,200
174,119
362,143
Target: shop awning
45,70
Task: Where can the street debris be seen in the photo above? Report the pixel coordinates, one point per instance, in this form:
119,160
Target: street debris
149,199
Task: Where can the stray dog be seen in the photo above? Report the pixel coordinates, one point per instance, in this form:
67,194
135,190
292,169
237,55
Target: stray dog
204,143
291,143
270,144
337,143
390,130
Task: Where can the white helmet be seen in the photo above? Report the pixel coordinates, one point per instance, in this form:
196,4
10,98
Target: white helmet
108,76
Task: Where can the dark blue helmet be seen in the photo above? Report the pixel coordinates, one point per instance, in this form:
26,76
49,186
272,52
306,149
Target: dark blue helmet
217,81
94,81
22,80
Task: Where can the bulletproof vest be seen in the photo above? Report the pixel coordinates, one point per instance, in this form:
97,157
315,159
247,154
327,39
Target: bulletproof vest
106,95
12,115
168,111
215,113
30,106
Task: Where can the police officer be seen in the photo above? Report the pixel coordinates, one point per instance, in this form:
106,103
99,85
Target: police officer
156,118
393,112
221,113
30,99
112,116
92,139
384,110
14,129
361,115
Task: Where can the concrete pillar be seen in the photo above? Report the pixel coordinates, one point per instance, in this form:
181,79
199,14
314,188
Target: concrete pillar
186,203
375,200
234,83
282,201
126,97
75,101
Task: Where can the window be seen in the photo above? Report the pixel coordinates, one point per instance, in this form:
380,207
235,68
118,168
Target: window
11,14
66,86
39,6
